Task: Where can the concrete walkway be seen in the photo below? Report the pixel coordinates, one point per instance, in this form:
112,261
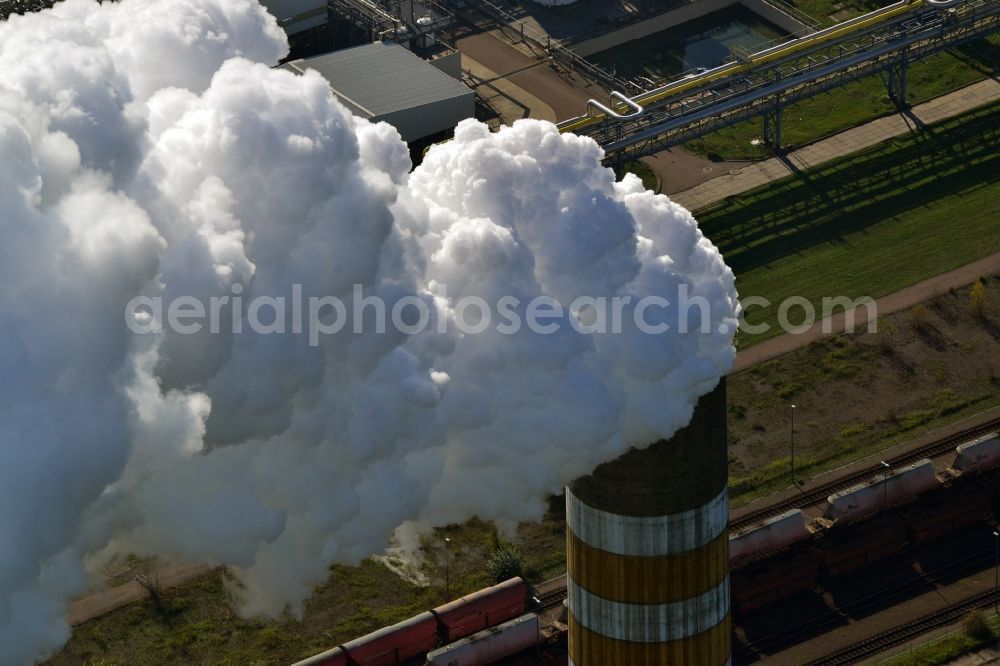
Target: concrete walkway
895,302
846,142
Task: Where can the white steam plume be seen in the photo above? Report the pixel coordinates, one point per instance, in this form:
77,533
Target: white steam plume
148,149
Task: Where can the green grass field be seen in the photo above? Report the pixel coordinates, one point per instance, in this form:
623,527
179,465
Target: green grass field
646,174
947,649
868,224
855,103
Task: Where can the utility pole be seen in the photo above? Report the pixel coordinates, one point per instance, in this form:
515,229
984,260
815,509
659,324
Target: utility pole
447,569
996,572
792,442
885,484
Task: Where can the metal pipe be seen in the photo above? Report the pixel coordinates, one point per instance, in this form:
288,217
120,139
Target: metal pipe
760,57
637,112
759,93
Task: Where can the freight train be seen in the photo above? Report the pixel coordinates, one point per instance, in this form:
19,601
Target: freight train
788,553
780,557
462,620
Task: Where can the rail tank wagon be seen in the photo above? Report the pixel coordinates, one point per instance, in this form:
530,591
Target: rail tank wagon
896,487
978,455
773,535
486,647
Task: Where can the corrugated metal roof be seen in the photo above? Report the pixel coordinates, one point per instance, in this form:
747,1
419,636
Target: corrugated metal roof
380,78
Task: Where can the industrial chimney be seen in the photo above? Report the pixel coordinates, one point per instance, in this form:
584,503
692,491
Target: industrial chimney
647,551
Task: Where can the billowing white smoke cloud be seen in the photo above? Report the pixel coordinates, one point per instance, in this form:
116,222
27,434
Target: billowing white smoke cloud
148,149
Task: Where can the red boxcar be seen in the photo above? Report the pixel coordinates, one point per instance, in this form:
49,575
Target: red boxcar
393,645
482,609
334,657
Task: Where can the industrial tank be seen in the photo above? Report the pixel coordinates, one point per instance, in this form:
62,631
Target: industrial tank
647,551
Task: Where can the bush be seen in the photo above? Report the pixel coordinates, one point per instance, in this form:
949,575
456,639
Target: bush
887,338
505,563
978,299
976,627
918,315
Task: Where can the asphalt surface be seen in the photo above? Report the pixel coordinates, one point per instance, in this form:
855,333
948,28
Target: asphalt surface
545,83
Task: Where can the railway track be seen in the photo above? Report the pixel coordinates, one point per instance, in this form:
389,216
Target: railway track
773,643
903,633
819,494
551,599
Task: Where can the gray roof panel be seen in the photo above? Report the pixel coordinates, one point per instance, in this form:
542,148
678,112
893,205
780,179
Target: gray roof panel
380,78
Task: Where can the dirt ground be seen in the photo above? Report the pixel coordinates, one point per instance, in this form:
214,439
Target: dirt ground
926,364
940,363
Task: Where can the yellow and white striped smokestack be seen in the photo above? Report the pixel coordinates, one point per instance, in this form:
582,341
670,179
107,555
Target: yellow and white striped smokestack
648,552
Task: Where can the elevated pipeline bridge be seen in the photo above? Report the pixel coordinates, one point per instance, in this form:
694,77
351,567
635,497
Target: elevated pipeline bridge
883,42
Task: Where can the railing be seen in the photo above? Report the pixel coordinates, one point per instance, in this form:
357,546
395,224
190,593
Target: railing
556,51
689,123
795,13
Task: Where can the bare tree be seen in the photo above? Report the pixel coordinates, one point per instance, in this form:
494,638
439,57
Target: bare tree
149,579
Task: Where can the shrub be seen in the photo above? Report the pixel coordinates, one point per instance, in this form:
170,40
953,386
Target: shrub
505,563
975,626
978,299
887,338
918,316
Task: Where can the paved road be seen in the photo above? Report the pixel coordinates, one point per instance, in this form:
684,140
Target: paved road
680,170
844,143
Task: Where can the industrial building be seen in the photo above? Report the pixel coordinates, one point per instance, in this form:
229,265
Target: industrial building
315,27
424,100
647,551
297,16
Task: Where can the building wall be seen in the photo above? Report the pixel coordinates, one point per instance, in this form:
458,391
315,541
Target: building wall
297,15
648,551
417,122
449,63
